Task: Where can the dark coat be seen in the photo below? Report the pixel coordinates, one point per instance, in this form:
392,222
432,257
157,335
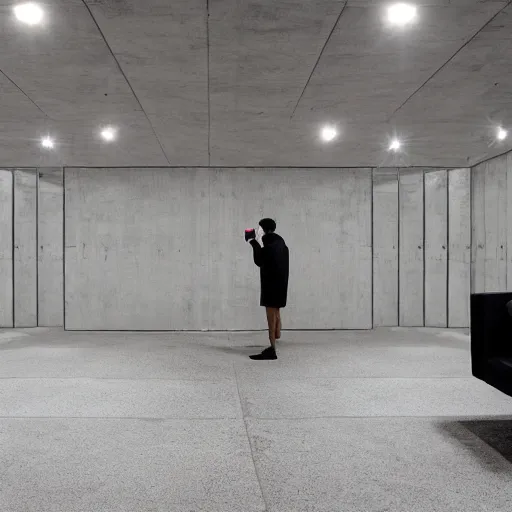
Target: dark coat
273,260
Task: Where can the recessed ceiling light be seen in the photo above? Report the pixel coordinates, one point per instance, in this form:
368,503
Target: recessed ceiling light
502,134
329,133
108,133
401,14
29,13
47,143
395,145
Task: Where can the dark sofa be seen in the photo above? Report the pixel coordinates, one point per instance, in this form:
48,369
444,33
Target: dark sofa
491,340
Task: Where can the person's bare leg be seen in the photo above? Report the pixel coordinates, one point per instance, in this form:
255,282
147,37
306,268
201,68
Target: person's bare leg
270,352
271,320
278,325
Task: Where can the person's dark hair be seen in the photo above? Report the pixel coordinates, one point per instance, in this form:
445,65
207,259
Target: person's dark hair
268,225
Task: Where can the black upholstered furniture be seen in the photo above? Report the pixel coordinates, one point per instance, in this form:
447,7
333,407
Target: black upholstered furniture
491,339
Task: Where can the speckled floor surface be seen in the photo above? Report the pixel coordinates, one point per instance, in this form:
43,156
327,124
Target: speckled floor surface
363,421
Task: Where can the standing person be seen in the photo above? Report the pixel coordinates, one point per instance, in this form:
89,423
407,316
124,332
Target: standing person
273,260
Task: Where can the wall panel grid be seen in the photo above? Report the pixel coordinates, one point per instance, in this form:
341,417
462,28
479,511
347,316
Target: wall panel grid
381,247
421,247
30,222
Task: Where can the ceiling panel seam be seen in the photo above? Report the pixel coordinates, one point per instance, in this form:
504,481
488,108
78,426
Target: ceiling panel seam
126,78
319,57
486,159
449,60
25,94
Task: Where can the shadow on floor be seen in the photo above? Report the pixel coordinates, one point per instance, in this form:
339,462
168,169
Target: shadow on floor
244,350
495,433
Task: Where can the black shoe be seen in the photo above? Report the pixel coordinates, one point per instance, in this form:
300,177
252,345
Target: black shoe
268,353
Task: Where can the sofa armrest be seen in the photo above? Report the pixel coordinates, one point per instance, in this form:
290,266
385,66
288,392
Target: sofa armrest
491,329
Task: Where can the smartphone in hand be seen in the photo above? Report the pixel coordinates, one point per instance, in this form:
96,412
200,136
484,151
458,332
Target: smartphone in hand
250,234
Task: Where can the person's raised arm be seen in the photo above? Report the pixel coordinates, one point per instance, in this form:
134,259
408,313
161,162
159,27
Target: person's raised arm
257,252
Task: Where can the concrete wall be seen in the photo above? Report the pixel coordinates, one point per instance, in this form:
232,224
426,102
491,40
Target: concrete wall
137,249
25,248
421,247
411,247
459,247
164,248
31,217
50,248
492,225
6,249
385,247
157,248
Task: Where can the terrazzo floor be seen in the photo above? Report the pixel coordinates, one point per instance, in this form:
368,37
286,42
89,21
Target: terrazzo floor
344,421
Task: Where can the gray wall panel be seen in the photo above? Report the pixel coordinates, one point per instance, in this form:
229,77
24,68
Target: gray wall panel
411,248
385,247
478,228
137,249
490,199
123,228
6,247
356,243
509,221
495,225
25,247
50,225
303,201
324,217
459,247
239,198
436,241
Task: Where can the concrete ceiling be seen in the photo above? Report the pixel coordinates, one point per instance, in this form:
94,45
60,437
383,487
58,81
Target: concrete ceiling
251,83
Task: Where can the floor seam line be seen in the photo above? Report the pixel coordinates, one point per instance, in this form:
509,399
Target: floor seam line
249,440
469,417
